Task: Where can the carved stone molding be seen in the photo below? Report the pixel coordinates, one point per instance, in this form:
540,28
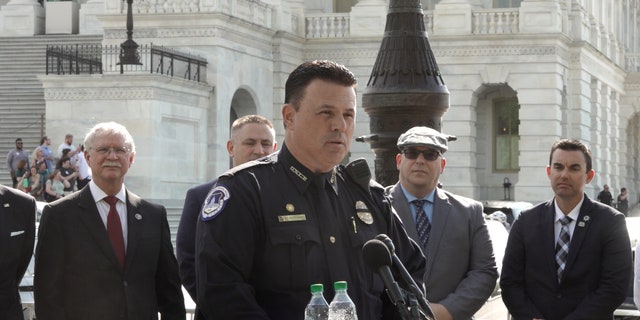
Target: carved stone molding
98,94
495,51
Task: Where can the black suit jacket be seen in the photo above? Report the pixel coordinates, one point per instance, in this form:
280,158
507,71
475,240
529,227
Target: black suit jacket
186,237
17,232
77,274
597,272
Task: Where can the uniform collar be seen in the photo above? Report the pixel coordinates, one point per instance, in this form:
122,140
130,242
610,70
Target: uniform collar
301,176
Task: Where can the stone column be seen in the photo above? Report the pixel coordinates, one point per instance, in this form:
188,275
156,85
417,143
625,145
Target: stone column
368,18
21,18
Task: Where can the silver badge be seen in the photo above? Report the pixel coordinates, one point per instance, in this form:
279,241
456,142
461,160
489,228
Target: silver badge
138,216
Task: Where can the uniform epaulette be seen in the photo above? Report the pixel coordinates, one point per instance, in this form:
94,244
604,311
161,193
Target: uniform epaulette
375,185
254,163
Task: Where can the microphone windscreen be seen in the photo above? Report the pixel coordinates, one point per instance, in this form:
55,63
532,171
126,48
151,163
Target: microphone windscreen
376,254
387,241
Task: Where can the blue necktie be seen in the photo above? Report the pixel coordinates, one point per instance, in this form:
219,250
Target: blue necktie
423,226
562,246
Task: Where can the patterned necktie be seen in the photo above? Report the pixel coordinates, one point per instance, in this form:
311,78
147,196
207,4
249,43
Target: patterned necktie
114,229
423,226
562,246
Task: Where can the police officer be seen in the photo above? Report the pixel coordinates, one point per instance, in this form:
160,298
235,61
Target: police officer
269,230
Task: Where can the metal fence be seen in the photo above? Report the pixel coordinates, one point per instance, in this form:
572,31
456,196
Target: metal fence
98,59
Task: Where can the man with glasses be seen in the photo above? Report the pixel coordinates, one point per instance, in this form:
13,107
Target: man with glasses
461,270
103,252
13,159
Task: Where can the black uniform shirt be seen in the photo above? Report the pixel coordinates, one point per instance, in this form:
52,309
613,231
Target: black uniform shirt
270,228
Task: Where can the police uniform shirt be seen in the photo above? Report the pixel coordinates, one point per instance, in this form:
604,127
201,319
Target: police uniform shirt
270,228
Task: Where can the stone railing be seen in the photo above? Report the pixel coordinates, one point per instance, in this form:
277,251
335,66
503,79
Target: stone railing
495,21
255,11
333,25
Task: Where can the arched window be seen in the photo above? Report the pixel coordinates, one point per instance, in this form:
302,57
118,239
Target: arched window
506,134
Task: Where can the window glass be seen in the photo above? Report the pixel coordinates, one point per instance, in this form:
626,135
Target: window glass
506,3
507,138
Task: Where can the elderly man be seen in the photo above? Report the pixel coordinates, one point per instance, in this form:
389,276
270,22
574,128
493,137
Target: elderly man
103,252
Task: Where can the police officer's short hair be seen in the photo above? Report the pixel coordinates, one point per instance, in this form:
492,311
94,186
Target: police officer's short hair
325,70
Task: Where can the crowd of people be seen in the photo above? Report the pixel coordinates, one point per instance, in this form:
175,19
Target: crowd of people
47,176
251,241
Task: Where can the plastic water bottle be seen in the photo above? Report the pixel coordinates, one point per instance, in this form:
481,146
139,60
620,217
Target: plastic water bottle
341,307
318,308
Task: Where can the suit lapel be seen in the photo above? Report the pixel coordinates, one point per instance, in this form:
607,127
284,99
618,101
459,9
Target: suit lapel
582,227
135,219
89,215
401,204
439,220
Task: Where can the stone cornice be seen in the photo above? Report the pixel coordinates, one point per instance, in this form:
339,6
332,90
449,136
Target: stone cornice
496,51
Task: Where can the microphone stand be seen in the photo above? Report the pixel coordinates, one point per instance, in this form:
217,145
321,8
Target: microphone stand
406,278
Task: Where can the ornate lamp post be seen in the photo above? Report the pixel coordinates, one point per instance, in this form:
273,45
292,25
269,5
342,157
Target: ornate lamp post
129,48
405,88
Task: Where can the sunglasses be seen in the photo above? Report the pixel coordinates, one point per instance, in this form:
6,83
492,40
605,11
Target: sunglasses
428,154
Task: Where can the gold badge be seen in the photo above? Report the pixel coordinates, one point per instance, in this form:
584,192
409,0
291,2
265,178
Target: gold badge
290,207
363,212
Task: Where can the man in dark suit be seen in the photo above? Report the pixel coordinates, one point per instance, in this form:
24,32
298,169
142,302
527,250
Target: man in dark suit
252,137
461,271
104,253
569,257
17,232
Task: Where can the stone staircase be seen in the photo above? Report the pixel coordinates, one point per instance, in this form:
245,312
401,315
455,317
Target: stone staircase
22,105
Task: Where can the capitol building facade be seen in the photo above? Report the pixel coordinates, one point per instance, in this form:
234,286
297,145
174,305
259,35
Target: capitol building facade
521,75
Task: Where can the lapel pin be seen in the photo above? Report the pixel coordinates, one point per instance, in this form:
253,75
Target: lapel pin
6,205
586,218
581,224
138,216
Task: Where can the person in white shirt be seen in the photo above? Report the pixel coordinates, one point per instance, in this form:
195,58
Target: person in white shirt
68,144
84,171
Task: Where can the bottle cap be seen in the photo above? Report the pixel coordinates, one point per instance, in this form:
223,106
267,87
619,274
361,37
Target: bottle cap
317,287
340,285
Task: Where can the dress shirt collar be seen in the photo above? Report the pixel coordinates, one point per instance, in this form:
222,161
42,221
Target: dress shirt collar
573,214
98,194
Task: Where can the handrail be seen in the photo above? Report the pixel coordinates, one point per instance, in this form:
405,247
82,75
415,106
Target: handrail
90,59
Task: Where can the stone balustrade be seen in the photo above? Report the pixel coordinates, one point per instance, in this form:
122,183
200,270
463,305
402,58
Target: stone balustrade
333,25
495,21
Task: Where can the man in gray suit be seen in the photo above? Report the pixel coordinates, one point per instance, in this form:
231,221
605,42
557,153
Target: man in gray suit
103,252
461,270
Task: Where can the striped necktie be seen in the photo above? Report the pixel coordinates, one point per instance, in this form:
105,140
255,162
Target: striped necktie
423,226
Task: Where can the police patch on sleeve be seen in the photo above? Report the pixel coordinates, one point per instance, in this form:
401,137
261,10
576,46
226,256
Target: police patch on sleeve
215,202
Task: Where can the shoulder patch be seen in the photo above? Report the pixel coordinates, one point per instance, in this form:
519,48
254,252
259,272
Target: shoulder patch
214,203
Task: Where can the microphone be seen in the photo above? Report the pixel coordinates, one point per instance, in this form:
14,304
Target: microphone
377,257
406,278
